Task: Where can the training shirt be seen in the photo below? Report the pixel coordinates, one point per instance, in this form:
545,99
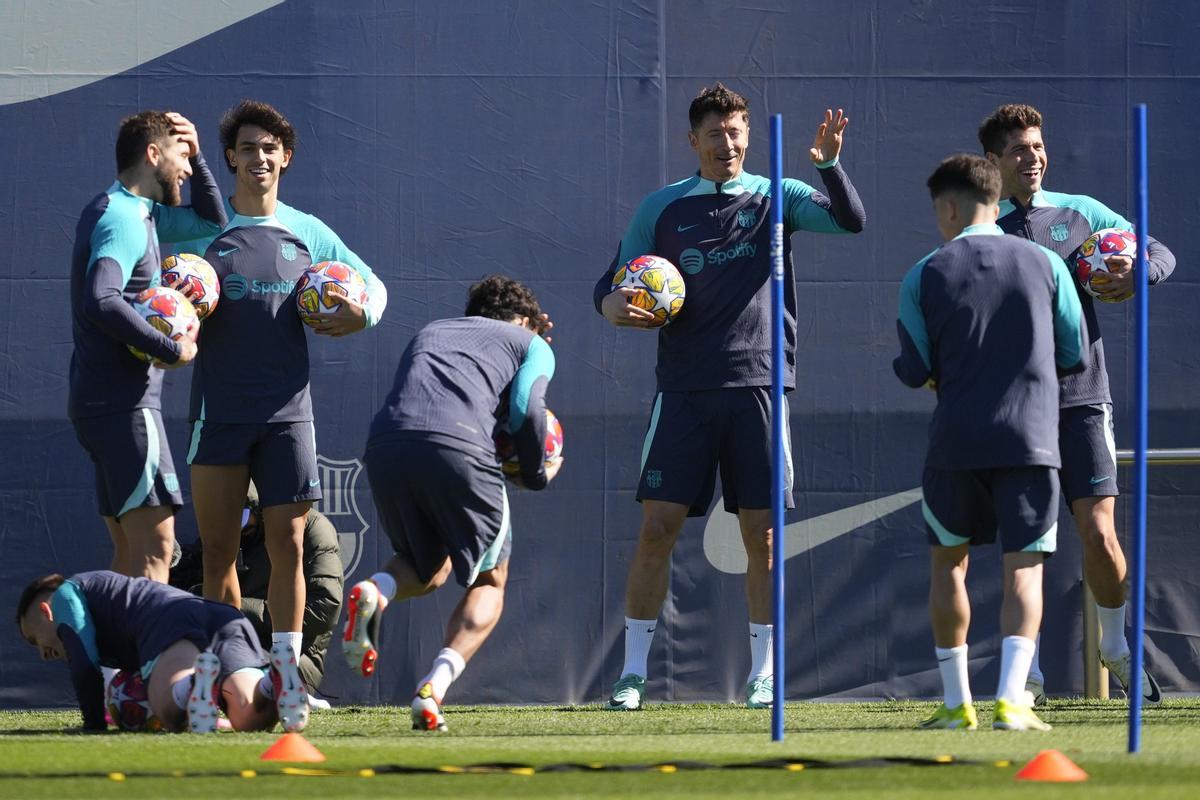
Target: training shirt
989,317
115,257
458,377
1061,222
110,620
719,236
253,361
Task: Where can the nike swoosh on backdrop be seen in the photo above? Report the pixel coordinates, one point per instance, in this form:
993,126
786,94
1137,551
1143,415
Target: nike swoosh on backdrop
54,46
723,539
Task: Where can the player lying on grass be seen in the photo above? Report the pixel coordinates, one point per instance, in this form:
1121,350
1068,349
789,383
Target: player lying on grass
194,654
985,320
436,481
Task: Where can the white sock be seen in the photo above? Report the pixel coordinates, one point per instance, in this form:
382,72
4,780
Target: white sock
266,687
386,584
294,638
1112,632
639,633
108,673
1016,653
448,665
181,690
1035,668
952,664
762,662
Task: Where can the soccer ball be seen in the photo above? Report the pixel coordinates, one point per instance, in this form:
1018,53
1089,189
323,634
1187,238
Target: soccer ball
659,284
168,312
506,449
128,703
189,273
1088,259
323,286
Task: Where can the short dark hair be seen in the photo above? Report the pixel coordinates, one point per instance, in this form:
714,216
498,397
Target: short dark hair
500,297
137,133
720,99
265,116
993,133
45,584
966,174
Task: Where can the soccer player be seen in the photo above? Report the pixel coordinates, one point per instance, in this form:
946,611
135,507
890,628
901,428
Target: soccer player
114,397
985,320
714,360
1012,140
436,482
251,409
194,654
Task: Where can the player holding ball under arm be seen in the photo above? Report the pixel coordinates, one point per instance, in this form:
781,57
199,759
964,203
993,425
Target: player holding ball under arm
251,409
714,360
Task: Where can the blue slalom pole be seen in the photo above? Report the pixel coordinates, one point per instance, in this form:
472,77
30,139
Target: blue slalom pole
1141,406
778,468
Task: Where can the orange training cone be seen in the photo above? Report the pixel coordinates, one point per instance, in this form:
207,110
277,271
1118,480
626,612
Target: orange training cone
1051,765
292,747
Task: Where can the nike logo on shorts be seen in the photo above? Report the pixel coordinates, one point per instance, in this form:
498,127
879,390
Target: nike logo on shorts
224,253
316,482
1097,479
682,228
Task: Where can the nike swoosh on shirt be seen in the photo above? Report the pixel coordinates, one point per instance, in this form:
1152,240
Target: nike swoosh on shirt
41,54
723,539
682,228
223,253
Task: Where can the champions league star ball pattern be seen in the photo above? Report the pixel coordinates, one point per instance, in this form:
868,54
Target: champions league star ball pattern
505,450
128,703
323,286
192,276
1088,259
168,312
659,284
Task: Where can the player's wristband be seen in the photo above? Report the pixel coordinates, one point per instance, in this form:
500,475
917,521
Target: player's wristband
830,164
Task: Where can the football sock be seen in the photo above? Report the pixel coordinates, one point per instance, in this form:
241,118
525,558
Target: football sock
1035,668
1016,653
108,673
1112,632
448,665
638,635
294,638
181,690
266,686
761,651
952,664
386,584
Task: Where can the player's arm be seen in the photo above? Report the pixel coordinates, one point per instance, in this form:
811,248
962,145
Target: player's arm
77,632
527,412
841,211
1160,261
615,305
115,250
1071,352
914,365
325,245
206,215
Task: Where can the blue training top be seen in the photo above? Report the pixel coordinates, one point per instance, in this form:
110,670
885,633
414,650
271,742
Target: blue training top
116,256
253,361
719,235
458,376
989,317
1061,222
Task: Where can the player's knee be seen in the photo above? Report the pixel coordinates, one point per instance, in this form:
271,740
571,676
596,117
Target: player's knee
657,537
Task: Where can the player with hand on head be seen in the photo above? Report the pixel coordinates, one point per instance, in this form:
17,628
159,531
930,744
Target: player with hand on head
436,480
114,397
1012,140
195,655
714,360
251,409
990,321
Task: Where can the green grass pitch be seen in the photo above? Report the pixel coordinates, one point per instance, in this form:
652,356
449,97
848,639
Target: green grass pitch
38,760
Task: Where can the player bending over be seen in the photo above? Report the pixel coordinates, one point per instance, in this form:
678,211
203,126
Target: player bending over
714,361
1012,140
251,409
439,489
985,320
194,654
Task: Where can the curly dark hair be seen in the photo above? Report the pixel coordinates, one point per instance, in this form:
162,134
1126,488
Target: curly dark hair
994,131
265,116
720,99
139,131
45,584
501,297
970,175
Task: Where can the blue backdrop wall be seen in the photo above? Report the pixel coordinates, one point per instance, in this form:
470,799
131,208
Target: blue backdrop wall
446,140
